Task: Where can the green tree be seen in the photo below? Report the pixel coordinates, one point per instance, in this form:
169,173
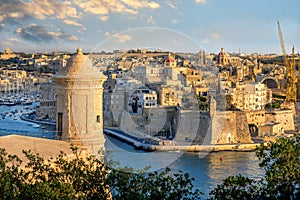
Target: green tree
276,105
281,162
61,178
86,177
154,185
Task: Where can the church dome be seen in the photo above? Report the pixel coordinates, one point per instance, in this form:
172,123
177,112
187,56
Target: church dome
8,51
222,53
169,59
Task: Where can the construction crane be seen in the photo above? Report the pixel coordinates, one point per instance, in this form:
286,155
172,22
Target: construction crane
291,79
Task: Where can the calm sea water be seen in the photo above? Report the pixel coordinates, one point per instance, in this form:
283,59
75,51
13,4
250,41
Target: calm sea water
207,169
12,124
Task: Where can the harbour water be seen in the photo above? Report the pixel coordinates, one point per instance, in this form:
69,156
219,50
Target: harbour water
12,124
207,169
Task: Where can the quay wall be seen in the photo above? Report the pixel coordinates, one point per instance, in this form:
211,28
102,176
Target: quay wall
203,148
137,143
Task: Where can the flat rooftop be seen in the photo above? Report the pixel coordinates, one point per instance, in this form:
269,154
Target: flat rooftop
14,144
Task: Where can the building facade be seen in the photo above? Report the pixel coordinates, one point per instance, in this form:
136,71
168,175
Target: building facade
252,96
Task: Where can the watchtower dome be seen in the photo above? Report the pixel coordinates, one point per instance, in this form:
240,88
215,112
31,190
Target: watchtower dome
79,95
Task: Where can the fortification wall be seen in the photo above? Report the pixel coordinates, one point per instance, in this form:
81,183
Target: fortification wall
230,127
284,117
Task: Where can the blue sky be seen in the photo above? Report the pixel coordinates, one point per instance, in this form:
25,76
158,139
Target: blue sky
179,25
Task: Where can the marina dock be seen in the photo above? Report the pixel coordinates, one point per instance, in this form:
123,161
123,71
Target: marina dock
29,117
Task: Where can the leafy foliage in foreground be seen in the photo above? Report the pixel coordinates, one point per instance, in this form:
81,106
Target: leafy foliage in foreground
281,162
154,185
80,177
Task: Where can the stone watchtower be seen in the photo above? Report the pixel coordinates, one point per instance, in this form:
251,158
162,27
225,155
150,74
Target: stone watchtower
79,103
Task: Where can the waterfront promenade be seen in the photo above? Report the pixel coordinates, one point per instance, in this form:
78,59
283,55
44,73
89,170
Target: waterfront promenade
148,144
30,117
203,148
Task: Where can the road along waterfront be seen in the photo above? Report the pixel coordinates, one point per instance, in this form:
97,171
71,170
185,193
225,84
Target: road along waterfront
150,144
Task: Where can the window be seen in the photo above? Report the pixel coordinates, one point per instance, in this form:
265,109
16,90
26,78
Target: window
98,118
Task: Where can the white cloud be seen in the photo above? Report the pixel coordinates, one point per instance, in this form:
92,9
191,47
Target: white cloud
74,23
60,9
201,1
212,36
94,7
171,5
17,11
2,26
14,11
71,37
122,38
205,41
104,7
136,4
11,42
104,18
40,34
175,21
215,36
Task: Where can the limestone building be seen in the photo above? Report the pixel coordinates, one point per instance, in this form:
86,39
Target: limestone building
252,96
79,103
282,116
170,61
146,98
228,126
47,108
169,96
223,58
8,54
202,58
270,128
